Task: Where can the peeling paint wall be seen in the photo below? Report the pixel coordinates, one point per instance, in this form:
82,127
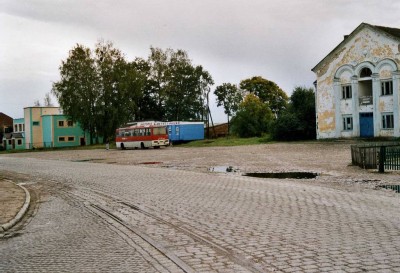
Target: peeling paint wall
367,48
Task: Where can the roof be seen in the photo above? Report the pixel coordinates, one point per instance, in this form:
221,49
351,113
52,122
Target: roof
391,32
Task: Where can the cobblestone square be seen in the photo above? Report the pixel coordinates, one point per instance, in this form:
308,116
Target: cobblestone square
165,211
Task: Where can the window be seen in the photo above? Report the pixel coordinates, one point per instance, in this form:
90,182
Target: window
61,139
347,123
387,121
19,142
71,138
160,130
35,123
346,92
365,72
20,127
10,142
70,123
387,88
15,128
60,123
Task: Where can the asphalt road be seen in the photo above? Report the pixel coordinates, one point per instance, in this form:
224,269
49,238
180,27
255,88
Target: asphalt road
99,217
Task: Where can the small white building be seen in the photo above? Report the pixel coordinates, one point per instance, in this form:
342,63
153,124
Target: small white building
357,87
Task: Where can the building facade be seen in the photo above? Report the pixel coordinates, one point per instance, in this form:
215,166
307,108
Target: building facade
357,87
44,127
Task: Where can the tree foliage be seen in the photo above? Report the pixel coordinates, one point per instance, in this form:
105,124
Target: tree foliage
228,96
268,92
102,90
253,117
298,121
177,86
77,91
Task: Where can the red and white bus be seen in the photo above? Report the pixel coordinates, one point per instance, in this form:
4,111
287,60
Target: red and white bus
142,136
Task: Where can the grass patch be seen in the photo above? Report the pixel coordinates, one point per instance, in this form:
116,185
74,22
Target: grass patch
227,141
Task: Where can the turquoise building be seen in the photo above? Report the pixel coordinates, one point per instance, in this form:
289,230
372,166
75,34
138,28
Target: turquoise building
45,127
60,131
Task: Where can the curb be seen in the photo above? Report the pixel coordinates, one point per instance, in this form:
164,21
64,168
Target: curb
20,214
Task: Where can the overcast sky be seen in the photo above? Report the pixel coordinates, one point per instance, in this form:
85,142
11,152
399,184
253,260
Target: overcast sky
232,39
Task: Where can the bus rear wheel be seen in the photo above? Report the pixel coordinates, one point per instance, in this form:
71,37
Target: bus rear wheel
142,145
122,146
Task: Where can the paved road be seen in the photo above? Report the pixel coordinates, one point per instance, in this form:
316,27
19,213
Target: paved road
96,217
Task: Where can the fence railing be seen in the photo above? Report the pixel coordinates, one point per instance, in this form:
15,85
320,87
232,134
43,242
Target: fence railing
392,158
376,155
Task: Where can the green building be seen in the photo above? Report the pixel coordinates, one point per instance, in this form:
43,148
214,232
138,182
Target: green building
45,127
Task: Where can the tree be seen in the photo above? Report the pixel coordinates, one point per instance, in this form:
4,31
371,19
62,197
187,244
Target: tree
98,89
178,87
119,86
268,91
298,121
47,100
77,90
253,117
228,96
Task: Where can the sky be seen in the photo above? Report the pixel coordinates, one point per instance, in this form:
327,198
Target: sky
232,39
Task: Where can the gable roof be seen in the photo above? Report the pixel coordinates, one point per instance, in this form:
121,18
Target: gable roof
391,32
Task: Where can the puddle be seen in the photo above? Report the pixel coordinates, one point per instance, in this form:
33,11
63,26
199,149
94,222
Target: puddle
395,188
223,169
286,175
150,163
88,160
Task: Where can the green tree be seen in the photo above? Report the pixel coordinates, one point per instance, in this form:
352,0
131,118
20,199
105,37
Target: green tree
228,96
120,84
298,122
77,90
178,88
268,91
253,117
99,89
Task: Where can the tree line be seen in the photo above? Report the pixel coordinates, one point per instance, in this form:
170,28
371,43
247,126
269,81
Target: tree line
102,90
259,106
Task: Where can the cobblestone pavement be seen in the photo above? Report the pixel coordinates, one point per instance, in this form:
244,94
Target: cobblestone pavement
175,216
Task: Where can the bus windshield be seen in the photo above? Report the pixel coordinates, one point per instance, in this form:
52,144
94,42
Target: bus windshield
159,131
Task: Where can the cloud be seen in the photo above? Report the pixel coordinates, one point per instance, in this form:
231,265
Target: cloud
233,40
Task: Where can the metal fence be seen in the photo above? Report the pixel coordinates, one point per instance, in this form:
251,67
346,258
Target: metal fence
392,158
376,155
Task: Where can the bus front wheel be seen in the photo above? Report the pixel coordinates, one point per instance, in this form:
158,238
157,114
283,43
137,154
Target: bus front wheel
122,146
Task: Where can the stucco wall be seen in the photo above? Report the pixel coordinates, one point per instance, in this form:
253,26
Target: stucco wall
367,48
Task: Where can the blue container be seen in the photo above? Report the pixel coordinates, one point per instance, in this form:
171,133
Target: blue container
185,131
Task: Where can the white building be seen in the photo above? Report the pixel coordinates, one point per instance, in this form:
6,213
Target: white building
358,85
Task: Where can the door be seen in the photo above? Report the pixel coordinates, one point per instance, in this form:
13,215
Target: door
366,125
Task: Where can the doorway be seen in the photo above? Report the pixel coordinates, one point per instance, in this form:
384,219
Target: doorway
366,125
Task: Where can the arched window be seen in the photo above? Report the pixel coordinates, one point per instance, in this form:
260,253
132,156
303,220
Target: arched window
365,72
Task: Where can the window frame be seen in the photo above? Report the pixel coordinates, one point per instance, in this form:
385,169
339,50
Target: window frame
387,121
346,121
384,87
347,92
